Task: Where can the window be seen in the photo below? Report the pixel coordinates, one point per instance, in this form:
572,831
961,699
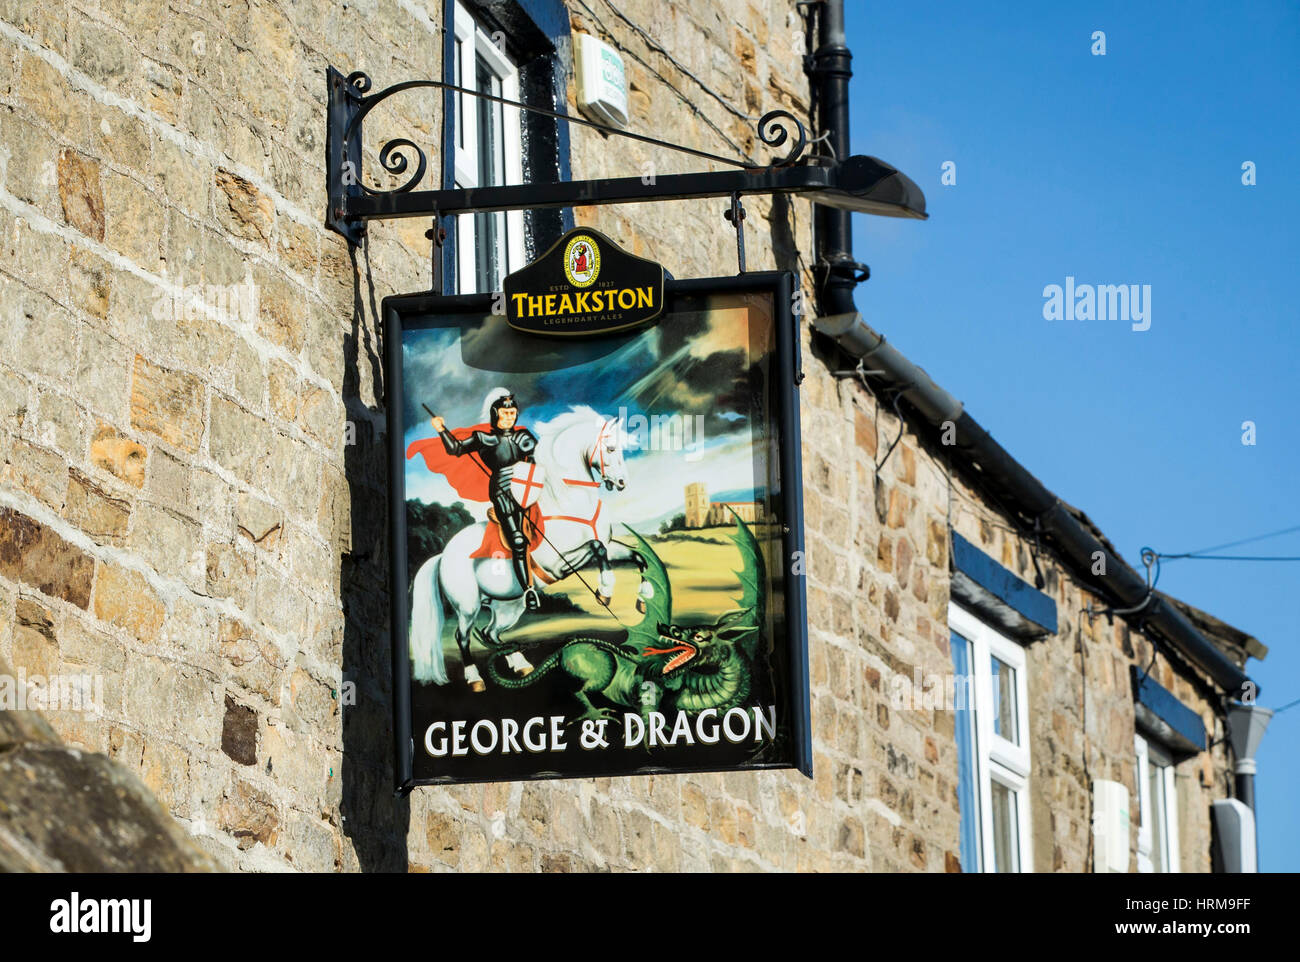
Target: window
992,734
488,154
1157,808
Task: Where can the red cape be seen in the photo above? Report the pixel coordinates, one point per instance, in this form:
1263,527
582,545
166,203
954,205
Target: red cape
467,474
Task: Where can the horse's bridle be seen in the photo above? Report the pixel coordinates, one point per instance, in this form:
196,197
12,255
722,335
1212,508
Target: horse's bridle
598,451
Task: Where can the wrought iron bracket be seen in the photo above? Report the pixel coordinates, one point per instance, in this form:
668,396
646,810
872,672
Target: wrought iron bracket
352,203
854,183
342,157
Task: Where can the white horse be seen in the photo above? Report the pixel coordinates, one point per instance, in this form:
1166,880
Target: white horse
581,453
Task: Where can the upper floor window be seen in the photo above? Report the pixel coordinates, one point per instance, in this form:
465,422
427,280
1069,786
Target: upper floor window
992,734
1157,808
488,154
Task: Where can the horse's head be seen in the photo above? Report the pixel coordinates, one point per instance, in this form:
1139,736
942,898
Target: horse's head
606,457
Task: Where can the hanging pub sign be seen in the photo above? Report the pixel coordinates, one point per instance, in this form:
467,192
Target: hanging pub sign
597,564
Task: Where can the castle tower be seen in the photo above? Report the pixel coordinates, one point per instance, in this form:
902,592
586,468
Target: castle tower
697,505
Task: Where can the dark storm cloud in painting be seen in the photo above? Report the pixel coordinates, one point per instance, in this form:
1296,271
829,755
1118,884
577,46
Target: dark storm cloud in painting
651,372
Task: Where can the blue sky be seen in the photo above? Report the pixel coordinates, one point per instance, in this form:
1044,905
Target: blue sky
1116,169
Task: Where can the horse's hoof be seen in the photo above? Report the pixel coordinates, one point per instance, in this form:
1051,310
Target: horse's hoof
640,605
477,687
604,599
525,671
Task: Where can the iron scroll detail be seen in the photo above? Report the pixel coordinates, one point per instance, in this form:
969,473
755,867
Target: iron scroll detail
774,129
391,158
397,163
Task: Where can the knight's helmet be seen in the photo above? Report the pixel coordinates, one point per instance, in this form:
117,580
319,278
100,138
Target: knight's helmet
496,399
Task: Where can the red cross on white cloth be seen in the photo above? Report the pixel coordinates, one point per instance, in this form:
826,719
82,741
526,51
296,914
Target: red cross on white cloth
530,477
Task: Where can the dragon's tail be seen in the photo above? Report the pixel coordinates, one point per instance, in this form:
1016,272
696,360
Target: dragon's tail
545,668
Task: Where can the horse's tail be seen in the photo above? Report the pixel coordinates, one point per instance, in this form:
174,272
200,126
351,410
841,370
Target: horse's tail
426,624
537,674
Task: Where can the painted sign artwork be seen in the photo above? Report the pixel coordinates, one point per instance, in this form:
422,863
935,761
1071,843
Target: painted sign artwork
596,554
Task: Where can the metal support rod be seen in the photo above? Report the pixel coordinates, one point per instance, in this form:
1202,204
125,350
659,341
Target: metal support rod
367,103
736,215
437,234
618,190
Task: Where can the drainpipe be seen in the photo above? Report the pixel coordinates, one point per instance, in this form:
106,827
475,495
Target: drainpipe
829,68
1246,724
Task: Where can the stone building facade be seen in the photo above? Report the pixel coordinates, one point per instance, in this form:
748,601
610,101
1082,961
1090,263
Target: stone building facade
193,490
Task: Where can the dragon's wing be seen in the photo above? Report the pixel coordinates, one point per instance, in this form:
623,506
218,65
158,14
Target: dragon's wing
659,607
742,625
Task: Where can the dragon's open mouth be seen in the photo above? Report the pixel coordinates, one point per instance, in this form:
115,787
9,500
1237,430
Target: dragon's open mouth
684,653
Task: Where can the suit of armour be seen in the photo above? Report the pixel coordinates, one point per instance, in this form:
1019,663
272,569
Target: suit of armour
501,450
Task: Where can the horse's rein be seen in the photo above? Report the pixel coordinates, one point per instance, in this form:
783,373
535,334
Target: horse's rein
598,450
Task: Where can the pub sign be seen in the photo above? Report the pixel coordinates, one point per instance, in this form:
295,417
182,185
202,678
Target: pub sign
597,565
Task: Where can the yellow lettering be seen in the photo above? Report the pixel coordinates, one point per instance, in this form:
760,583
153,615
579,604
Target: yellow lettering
645,297
631,298
519,300
534,305
550,303
566,304
580,303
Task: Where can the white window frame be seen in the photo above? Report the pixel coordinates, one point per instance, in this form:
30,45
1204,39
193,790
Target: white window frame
1157,823
998,759
475,42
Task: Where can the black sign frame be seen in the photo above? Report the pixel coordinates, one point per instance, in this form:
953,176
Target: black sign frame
781,286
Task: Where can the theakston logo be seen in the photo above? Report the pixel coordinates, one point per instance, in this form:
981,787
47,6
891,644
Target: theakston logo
584,284
75,915
582,261
1104,302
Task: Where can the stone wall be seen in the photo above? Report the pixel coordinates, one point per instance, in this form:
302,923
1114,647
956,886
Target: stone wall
182,514
192,500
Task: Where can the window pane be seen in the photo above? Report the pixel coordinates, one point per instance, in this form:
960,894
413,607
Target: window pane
967,770
1006,849
455,242
489,228
1004,701
1142,810
1156,796
462,99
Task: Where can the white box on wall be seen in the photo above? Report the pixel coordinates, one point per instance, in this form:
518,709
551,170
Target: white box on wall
601,81
1110,826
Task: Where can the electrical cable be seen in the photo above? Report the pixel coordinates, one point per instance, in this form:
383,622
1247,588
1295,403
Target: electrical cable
901,426
1231,544
1290,704
695,109
657,48
1234,557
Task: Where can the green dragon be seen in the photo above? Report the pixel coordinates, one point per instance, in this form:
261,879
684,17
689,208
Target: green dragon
662,666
